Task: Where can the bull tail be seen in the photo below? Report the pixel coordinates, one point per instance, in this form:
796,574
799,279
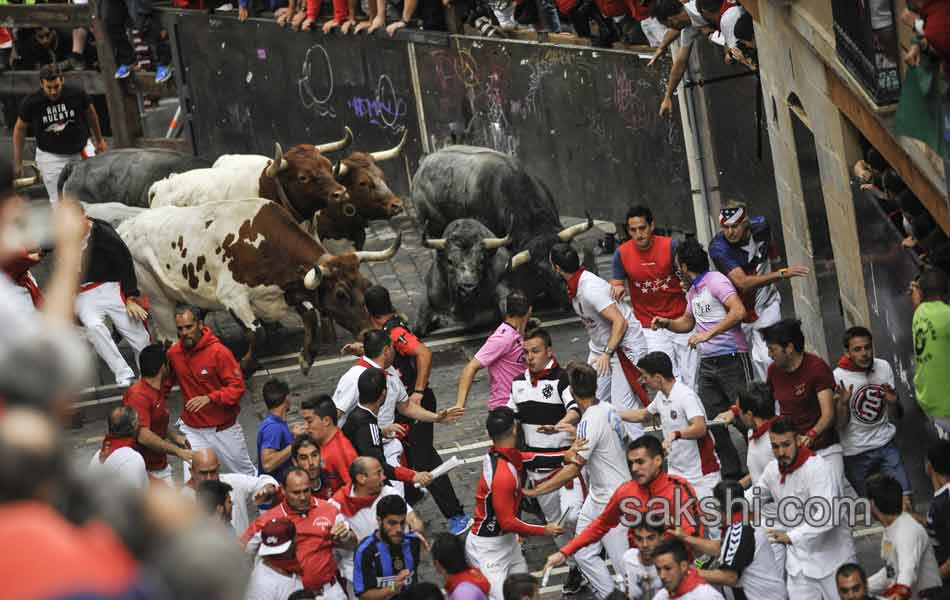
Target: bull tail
63,177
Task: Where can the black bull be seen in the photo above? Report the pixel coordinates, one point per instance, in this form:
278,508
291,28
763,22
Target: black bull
123,175
466,198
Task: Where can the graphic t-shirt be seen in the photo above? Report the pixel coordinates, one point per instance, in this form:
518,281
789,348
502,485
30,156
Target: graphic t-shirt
932,348
59,125
706,300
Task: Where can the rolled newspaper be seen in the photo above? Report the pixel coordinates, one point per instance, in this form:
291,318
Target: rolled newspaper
444,468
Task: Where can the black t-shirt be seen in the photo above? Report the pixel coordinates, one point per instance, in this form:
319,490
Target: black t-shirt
938,525
59,125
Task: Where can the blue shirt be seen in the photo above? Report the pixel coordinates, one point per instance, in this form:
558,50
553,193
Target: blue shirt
275,434
376,563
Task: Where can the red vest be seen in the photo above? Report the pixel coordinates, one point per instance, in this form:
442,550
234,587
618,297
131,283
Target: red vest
654,287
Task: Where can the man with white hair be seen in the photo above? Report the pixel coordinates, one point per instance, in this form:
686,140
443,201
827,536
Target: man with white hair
118,456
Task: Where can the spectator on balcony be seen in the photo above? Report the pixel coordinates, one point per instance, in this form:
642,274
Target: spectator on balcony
645,27
139,12
686,23
39,46
930,20
723,14
745,51
931,327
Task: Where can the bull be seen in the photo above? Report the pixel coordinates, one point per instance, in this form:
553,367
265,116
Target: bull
250,258
300,180
123,175
369,196
492,225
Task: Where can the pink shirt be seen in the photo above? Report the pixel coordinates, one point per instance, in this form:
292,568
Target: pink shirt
503,356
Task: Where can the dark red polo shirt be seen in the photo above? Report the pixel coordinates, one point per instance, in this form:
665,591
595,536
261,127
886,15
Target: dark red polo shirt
797,395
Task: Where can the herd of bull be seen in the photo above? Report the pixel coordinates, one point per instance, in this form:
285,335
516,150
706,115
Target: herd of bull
244,234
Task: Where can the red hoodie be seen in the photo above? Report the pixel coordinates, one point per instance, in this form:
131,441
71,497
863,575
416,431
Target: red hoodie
208,369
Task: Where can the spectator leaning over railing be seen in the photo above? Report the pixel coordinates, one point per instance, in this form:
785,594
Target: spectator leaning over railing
930,20
139,12
684,22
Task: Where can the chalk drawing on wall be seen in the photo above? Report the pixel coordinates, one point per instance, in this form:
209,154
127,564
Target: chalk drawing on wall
315,86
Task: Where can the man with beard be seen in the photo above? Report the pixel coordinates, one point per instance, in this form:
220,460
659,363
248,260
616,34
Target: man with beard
680,579
813,552
358,504
639,572
852,582
385,563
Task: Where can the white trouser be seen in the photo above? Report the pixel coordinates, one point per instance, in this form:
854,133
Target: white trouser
614,388
163,475
758,349
496,558
392,450
51,165
20,300
268,584
654,31
92,306
802,587
588,558
229,444
558,503
676,346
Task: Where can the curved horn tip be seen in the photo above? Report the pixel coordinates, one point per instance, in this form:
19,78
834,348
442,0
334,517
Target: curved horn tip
519,259
312,279
434,243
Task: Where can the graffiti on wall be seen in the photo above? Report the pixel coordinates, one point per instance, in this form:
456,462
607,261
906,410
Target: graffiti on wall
385,109
315,86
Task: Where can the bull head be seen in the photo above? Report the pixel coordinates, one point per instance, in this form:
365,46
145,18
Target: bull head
337,145
488,243
278,164
565,235
341,169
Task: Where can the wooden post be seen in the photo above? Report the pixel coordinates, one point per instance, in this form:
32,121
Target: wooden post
123,106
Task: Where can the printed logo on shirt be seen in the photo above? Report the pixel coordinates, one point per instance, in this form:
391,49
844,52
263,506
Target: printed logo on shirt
673,415
57,117
323,524
547,391
868,405
204,372
800,389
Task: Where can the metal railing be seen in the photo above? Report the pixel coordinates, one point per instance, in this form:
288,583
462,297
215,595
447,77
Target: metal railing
866,40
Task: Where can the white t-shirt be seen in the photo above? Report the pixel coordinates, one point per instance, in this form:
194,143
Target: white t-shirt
364,523
759,455
243,489
593,296
746,550
868,427
643,582
696,20
690,459
908,558
347,394
701,592
126,464
727,25
606,460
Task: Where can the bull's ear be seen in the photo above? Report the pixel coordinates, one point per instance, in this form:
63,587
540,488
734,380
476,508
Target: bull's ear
312,279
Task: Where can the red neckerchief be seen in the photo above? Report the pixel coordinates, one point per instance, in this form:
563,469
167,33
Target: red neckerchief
350,505
572,283
512,455
692,581
470,575
847,364
762,429
803,455
544,373
113,443
362,362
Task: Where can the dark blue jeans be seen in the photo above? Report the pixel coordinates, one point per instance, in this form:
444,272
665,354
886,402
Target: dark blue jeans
886,460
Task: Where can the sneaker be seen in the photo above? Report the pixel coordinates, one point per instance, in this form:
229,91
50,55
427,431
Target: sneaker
460,523
575,581
123,71
162,74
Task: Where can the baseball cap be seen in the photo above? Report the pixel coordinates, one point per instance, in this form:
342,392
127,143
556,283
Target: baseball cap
276,537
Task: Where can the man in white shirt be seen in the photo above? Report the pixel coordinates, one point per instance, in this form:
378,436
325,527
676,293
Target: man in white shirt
863,413
680,579
639,572
269,579
379,353
358,506
746,560
690,448
910,566
616,340
118,457
604,461
244,488
814,550
686,24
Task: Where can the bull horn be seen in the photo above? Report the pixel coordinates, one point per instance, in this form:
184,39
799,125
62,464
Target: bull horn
278,164
496,243
392,152
312,279
569,233
25,182
521,258
340,169
380,255
337,145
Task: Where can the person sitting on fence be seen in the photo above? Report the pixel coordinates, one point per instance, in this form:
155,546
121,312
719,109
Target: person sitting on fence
139,12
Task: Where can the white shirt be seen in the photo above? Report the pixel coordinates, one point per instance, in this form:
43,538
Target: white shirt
243,489
908,558
746,550
126,464
688,458
606,460
363,523
696,20
815,552
700,592
643,582
593,297
347,394
868,427
759,455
